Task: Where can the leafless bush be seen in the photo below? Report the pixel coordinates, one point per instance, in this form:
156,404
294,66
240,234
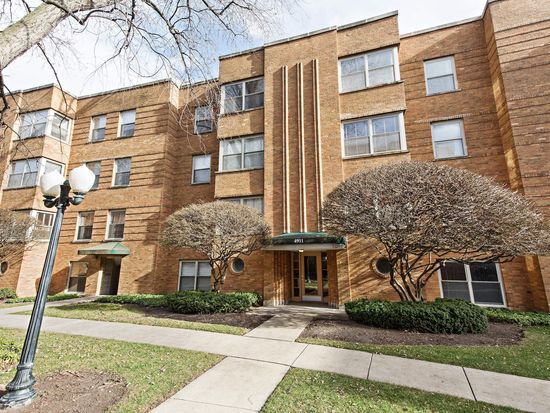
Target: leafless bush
15,233
420,213
219,230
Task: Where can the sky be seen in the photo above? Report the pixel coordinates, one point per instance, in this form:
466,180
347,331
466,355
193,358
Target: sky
78,74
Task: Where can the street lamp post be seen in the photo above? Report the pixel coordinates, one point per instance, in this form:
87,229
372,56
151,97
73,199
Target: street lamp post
57,193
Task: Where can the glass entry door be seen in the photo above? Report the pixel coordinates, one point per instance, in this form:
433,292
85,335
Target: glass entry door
311,276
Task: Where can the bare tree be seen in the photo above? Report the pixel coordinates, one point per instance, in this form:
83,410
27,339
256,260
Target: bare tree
220,230
421,213
16,233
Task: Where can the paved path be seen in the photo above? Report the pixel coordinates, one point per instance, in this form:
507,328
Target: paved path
255,364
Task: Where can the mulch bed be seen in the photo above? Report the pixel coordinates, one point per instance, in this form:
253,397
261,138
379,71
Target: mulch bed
248,320
346,330
76,392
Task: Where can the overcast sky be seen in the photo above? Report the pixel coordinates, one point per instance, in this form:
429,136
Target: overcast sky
77,75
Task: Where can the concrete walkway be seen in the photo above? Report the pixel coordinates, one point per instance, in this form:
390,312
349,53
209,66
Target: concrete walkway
255,364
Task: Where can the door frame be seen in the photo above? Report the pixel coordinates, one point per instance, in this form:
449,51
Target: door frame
319,263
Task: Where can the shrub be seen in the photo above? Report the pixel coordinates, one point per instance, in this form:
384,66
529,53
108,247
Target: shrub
7,293
439,316
523,318
146,300
56,297
198,302
9,353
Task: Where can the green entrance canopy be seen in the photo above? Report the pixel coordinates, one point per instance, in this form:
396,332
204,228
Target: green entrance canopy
306,240
107,248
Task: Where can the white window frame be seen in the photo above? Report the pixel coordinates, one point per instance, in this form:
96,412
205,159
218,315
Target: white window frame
91,133
471,290
209,156
109,220
115,171
196,273
462,137
33,213
120,124
369,119
242,168
364,56
49,125
198,117
78,217
41,168
241,199
452,58
243,88
95,188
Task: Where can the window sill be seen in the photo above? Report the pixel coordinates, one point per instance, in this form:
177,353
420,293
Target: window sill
371,87
452,158
81,241
20,187
443,93
113,239
221,115
118,186
125,137
201,183
238,170
90,142
374,155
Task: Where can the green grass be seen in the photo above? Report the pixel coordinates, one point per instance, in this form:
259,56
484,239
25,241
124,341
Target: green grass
152,373
531,358
123,313
51,298
306,391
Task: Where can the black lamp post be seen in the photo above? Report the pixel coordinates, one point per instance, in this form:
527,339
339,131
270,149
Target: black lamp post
56,192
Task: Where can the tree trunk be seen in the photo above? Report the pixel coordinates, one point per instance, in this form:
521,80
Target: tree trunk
22,35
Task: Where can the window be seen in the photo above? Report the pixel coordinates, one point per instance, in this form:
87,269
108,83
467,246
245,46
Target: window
76,282
242,153
127,123
194,275
237,265
256,202
84,226
248,94
477,282
203,119
440,75
201,169
374,135
98,128
115,224
95,167
122,172
23,173
448,139
33,124
60,127
371,69
43,225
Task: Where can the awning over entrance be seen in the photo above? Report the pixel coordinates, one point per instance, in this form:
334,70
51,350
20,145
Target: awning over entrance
306,241
107,248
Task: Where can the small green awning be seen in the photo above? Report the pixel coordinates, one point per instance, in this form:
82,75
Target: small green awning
306,241
107,248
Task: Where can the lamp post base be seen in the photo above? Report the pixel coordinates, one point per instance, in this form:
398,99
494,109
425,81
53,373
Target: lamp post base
20,389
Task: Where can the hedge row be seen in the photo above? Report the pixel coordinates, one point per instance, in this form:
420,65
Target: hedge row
56,297
7,293
439,316
191,302
523,318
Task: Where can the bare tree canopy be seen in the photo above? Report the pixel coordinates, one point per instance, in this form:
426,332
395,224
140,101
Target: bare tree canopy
422,212
15,232
219,230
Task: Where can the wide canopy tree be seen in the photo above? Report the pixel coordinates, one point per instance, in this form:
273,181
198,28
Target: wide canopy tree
420,214
220,230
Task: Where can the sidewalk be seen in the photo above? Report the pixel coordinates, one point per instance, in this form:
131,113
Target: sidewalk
257,362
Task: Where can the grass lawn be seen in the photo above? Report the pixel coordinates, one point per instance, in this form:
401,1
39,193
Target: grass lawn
307,391
531,358
153,373
122,313
9,305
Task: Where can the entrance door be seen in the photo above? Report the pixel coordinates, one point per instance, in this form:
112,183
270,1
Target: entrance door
110,277
309,276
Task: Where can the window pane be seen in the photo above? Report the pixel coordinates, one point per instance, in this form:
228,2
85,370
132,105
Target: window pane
204,269
60,127
356,129
353,82
201,162
356,146
385,125
50,166
455,289
487,293
380,59
187,269
231,162
123,165
254,160
232,91
203,119
483,271
439,67
99,121
453,271
231,147
441,84
201,176
447,130
127,130
254,101
256,203
232,105
381,76
187,283
352,66
95,167
254,86
128,116
254,144
386,142
449,149
203,283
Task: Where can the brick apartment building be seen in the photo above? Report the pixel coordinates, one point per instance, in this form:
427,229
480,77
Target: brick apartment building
296,117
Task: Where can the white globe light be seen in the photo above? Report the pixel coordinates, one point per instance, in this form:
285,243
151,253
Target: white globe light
50,183
81,179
